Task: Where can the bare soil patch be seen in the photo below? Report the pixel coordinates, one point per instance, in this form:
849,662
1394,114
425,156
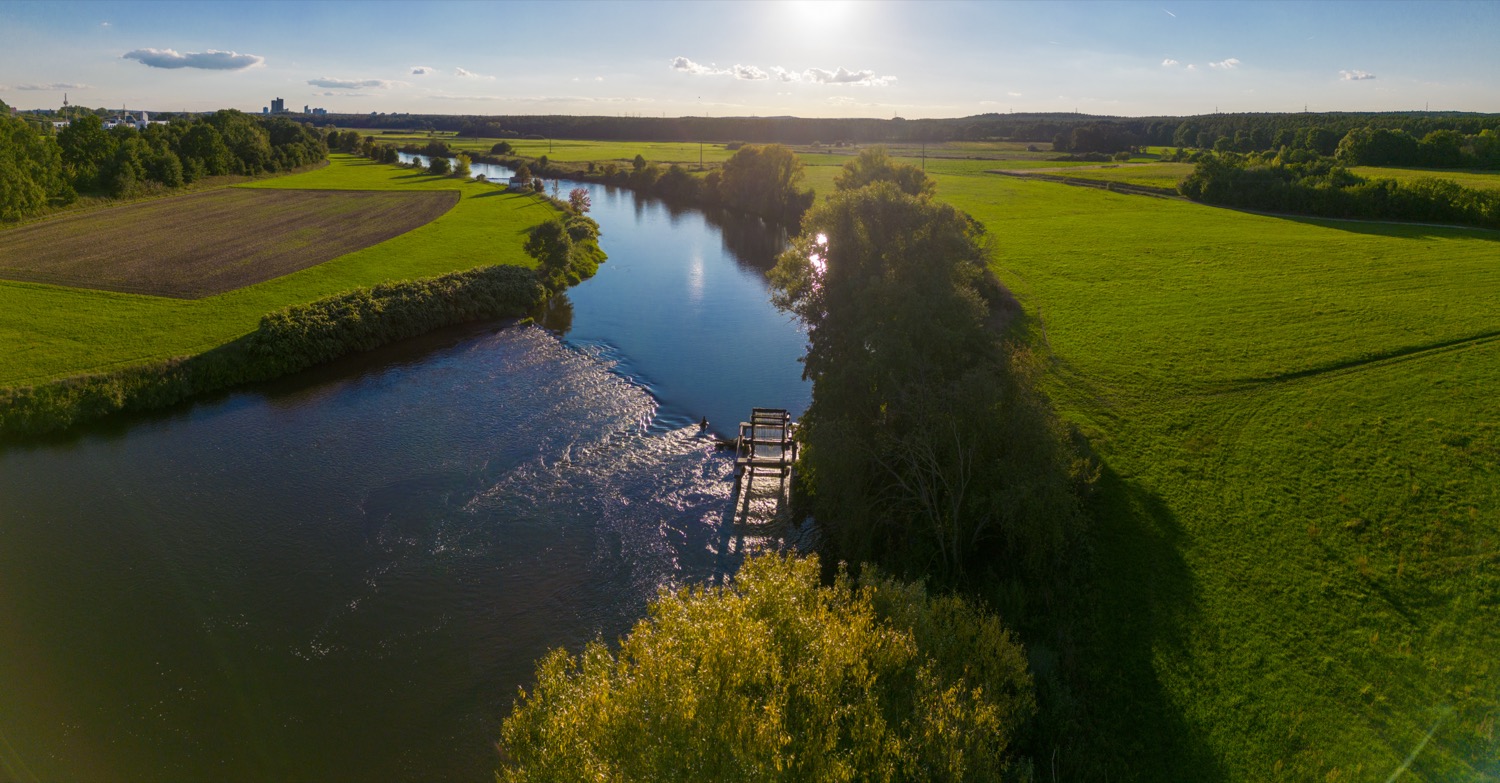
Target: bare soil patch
207,243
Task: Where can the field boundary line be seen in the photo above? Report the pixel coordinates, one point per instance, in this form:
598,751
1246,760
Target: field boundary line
1097,184
1395,356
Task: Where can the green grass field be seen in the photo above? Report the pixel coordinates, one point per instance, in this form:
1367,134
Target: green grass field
1151,175
51,331
1481,180
1299,525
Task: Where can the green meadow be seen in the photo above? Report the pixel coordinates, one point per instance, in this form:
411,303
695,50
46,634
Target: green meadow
1480,180
1298,527
51,331
1151,175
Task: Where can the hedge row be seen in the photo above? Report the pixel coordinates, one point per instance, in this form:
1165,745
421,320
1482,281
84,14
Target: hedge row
286,341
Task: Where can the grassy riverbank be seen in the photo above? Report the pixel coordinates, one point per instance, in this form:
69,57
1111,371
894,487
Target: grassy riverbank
49,331
1300,521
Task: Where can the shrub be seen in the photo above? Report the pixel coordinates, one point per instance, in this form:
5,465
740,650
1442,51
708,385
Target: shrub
365,318
778,678
286,341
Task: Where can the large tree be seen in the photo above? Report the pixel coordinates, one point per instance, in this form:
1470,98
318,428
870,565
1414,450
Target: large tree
925,447
875,165
763,179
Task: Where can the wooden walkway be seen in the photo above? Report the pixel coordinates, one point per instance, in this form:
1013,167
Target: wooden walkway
764,448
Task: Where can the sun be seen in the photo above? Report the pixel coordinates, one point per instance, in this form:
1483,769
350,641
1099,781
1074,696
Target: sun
821,14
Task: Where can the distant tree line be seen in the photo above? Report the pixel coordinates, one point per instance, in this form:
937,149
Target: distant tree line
39,169
1305,183
1254,132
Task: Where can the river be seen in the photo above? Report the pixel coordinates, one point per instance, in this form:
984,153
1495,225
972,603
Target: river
347,574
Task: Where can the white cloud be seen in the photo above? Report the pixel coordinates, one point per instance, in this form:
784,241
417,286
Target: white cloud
468,74
351,84
745,72
105,24
55,86
1192,67
839,76
1014,94
1355,76
844,76
1226,65
688,66
1169,63
210,60
421,70
331,94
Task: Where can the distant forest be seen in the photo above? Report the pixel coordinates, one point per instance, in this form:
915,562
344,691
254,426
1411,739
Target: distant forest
1068,132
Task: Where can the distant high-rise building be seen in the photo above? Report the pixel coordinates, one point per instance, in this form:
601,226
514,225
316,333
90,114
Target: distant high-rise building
278,106
265,110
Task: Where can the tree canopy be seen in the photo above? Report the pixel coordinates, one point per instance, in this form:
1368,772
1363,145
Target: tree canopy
874,165
926,447
776,677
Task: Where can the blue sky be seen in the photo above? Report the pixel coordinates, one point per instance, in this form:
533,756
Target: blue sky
823,58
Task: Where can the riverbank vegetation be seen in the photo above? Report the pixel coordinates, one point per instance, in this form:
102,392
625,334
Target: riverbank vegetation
779,677
928,451
286,341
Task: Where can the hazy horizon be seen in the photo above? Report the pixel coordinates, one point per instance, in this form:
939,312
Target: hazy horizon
833,58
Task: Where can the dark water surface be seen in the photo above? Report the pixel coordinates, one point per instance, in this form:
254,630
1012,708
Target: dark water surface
347,574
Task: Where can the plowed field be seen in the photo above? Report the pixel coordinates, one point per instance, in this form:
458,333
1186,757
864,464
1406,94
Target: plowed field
194,246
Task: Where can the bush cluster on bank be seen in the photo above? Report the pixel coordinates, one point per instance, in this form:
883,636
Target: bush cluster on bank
286,341
1313,185
777,677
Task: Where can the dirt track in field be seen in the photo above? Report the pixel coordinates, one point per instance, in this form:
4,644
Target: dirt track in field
208,243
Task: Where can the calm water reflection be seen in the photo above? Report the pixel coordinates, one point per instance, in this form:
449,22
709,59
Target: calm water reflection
346,575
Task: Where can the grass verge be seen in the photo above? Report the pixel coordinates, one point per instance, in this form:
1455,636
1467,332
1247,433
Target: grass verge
285,341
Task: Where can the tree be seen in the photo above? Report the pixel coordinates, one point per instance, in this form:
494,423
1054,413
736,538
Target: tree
31,171
638,163
579,200
927,447
86,149
762,179
461,166
874,165
438,165
501,148
779,678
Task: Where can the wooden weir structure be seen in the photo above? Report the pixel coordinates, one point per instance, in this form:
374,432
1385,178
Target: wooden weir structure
765,447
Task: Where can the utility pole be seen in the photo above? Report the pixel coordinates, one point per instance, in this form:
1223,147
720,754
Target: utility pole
700,156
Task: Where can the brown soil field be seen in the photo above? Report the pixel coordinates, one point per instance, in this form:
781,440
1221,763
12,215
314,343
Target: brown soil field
207,243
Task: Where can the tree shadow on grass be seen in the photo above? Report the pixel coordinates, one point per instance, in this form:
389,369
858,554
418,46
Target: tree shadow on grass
1136,606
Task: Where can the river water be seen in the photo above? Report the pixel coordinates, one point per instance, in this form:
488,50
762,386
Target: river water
347,574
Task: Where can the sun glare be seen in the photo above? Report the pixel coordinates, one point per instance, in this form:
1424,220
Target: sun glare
821,14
